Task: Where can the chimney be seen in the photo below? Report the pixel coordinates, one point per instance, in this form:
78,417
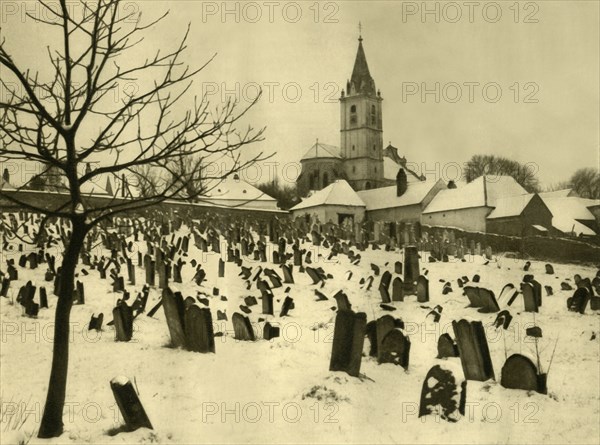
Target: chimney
401,183
451,184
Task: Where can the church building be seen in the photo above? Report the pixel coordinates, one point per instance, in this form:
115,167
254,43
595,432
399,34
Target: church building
361,159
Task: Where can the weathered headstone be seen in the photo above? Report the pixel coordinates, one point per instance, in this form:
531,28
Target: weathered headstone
473,350
441,394
348,340
199,333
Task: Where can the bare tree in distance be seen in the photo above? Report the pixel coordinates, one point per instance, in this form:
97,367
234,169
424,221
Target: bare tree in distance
586,182
81,122
524,174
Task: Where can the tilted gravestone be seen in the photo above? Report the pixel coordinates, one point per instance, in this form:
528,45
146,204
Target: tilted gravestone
129,404
199,333
446,346
442,394
242,327
287,305
473,350
174,308
343,303
519,372
96,322
383,325
384,286
395,348
348,341
487,300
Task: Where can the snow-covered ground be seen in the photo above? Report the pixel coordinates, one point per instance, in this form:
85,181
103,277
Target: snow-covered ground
281,391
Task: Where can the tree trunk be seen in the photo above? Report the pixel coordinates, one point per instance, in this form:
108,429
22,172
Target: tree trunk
52,423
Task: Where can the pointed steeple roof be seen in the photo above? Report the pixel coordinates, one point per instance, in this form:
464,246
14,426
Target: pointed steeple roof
361,81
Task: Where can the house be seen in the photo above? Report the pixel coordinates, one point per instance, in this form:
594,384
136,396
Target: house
572,215
403,202
234,192
337,203
467,207
520,215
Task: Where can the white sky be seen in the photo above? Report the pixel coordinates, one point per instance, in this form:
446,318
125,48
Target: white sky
313,56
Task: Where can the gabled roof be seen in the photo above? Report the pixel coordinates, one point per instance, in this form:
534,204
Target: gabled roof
481,192
320,150
235,189
385,197
510,206
390,170
336,193
568,211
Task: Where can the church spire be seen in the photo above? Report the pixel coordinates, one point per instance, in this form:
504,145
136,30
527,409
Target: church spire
361,81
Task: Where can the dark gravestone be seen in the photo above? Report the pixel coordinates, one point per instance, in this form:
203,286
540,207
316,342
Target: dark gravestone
384,286
43,298
488,301
398,267
286,306
96,322
411,268
221,268
473,350
395,348
441,394
529,299
267,303
348,341
242,327
383,325
174,308
549,269
578,302
287,274
519,372
342,301
446,346
503,319
129,404
199,333
422,289
397,289
270,331
123,321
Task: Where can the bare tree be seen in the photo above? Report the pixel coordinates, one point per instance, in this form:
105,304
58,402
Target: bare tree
586,182
480,165
79,123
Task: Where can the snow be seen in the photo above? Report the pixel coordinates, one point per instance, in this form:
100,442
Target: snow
336,193
281,391
386,197
568,212
510,206
481,192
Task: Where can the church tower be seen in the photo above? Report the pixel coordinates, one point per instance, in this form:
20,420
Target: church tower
361,127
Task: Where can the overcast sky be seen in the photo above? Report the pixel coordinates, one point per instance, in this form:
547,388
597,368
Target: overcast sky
542,57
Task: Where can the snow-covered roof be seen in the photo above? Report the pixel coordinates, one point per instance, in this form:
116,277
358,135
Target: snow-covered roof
320,150
568,211
510,206
336,193
481,192
5,185
235,189
558,193
385,197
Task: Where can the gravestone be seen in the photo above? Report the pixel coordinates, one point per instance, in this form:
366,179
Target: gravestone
473,350
422,289
397,289
519,372
443,395
286,306
384,286
487,300
96,322
348,340
123,321
529,299
395,348
383,326
411,268
174,308
342,301
267,303
446,346
270,332
242,327
579,300
199,333
129,404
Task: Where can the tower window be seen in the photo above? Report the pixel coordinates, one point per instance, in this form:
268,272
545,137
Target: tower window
353,147
354,169
373,115
375,169
325,180
353,114
374,147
